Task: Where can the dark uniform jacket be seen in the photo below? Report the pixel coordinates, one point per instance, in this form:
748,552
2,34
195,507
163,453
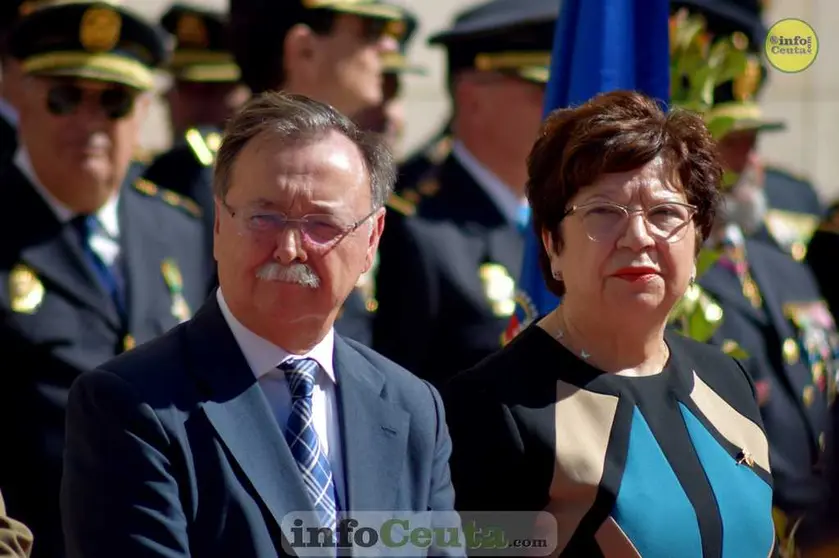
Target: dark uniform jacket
56,321
445,284
187,168
791,343
823,258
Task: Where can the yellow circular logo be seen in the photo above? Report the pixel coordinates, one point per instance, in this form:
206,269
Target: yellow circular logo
791,45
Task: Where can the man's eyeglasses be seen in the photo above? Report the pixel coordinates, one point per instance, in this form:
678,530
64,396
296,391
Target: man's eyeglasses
605,221
319,230
64,99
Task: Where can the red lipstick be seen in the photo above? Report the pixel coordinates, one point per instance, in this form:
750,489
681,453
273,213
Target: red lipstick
633,274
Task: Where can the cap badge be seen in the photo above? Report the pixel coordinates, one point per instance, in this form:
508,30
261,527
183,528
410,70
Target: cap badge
100,29
192,32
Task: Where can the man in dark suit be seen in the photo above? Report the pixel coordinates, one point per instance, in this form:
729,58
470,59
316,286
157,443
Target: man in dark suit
210,439
447,272
93,261
206,89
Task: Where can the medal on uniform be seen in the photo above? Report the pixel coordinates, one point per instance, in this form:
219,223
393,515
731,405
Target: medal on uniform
26,291
499,289
174,281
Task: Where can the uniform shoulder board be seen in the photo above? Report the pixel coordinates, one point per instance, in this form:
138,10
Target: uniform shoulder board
203,146
401,205
168,197
143,155
439,150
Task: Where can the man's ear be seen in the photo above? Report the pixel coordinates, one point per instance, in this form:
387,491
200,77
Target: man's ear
299,50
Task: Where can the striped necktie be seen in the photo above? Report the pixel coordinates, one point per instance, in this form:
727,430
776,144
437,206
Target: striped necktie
304,442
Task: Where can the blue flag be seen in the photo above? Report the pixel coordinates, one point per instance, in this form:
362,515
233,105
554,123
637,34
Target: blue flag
599,46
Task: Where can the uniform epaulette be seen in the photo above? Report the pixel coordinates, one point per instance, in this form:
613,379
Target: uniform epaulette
143,155
439,150
401,205
203,146
413,197
168,197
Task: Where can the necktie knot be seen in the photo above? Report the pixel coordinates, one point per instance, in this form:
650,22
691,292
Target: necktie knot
85,225
300,374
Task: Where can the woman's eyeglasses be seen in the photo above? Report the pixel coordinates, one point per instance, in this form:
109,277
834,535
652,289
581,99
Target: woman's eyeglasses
605,221
64,99
318,230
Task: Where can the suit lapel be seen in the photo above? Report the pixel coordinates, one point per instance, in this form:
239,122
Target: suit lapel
242,418
53,250
374,432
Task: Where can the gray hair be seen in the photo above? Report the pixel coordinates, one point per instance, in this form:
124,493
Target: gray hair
298,119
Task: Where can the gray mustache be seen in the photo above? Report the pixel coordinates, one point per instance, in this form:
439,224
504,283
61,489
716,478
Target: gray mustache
299,274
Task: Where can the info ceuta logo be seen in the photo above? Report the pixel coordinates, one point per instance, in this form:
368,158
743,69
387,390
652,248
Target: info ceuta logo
791,45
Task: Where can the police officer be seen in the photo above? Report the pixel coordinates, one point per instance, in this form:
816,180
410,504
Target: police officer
767,308
90,264
388,117
332,51
447,269
206,89
793,209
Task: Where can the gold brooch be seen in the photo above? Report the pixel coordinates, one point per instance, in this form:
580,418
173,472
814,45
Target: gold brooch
745,457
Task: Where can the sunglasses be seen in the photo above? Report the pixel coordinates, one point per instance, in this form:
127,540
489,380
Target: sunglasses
64,99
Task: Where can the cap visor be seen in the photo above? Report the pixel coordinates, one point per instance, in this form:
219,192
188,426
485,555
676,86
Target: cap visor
370,9
222,73
99,67
536,75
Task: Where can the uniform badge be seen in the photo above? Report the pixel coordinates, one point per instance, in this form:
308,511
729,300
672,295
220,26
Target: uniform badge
100,29
172,277
26,291
499,289
191,32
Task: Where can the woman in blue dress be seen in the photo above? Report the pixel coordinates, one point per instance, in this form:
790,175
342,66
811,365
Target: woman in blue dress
631,439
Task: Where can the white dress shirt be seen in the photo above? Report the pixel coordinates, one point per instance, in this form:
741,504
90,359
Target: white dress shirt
510,205
264,357
105,239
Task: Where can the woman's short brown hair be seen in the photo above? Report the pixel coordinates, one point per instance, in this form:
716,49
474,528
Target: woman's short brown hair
617,132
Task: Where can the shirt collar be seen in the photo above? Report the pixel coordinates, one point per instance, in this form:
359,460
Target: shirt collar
107,215
8,112
499,192
264,357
